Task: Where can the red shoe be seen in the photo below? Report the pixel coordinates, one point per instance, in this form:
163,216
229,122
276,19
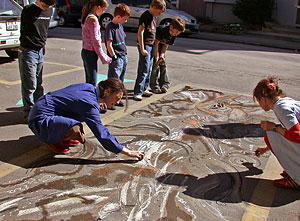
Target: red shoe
71,142
284,174
59,147
287,183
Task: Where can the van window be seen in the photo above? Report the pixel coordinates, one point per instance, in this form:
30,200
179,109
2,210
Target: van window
143,3
127,2
7,8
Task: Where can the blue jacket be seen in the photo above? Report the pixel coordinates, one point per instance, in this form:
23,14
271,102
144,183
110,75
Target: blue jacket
56,112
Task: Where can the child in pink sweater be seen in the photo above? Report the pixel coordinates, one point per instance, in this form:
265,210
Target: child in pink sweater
91,39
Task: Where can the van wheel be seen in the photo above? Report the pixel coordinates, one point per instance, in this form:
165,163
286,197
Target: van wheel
12,54
165,22
105,19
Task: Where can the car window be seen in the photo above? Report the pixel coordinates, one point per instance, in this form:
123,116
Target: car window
7,8
127,2
143,3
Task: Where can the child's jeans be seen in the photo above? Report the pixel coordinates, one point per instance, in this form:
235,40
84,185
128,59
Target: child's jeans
90,59
158,82
144,70
117,69
31,73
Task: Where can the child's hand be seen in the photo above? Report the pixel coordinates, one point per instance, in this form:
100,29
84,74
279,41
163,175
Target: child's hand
144,52
102,106
261,150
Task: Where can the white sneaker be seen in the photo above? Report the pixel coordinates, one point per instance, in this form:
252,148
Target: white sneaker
147,93
137,97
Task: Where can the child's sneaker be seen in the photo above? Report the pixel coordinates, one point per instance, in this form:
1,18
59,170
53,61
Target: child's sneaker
147,93
156,91
137,97
164,90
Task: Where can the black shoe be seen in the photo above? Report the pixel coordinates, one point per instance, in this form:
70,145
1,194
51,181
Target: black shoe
120,104
112,108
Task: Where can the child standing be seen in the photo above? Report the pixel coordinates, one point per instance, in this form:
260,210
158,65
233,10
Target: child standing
146,37
35,20
165,36
91,39
115,44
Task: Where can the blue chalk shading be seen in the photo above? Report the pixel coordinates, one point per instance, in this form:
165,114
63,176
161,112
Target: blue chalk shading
100,77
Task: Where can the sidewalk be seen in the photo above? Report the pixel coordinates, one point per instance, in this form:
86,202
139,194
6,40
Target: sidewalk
277,39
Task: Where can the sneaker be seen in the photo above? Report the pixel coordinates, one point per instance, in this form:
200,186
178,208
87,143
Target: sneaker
59,147
164,90
120,104
71,142
147,93
156,91
137,97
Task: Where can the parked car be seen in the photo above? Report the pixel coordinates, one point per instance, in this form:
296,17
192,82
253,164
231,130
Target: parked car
10,21
138,7
69,11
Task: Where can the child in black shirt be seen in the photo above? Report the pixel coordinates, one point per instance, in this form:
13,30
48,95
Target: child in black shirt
165,36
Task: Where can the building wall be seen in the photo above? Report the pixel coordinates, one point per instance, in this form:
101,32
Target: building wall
195,8
286,12
221,12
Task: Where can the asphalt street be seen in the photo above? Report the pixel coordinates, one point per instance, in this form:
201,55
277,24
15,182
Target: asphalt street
199,162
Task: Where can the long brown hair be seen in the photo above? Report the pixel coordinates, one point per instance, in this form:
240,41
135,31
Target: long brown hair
115,85
267,88
89,6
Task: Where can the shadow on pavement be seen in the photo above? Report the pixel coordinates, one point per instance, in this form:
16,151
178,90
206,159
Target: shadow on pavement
51,160
227,131
13,117
223,187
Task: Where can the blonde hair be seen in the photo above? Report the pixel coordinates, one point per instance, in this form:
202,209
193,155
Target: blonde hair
159,4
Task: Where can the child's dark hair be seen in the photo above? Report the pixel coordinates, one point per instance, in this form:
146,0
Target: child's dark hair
178,23
159,4
115,85
48,2
122,10
267,88
88,7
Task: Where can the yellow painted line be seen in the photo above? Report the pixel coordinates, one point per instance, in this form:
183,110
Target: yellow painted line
74,68
33,155
23,160
264,193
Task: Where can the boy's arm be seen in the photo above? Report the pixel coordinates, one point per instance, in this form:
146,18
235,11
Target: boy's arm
156,52
110,49
163,51
141,40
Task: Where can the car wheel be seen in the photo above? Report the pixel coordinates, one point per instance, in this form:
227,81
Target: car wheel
105,20
11,53
165,22
62,20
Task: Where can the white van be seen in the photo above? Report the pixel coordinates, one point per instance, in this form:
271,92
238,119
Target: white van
10,21
137,8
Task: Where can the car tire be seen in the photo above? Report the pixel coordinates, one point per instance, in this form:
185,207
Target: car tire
62,20
165,22
105,19
12,53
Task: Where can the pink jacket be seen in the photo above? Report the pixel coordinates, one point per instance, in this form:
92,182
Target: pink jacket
91,40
